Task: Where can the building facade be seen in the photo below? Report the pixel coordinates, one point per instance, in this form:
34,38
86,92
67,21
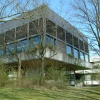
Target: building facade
22,34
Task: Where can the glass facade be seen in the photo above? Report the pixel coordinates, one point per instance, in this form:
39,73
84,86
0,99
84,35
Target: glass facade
22,46
10,36
86,47
81,55
75,41
24,37
50,40
76,53
69,49
35,26
21,32
10,48
81,45
86,58
69,38
34,41
60,33
50,27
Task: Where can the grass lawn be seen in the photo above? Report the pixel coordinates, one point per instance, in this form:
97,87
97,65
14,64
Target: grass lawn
70,93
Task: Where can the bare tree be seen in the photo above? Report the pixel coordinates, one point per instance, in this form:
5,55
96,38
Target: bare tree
36,26
87,13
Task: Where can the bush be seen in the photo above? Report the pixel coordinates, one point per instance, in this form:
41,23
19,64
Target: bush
3,75
56,77
31,78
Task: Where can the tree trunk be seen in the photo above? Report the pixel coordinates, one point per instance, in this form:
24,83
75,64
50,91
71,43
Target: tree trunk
74,77
19,70
42,71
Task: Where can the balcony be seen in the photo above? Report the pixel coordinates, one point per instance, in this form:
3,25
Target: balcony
51,55
67,59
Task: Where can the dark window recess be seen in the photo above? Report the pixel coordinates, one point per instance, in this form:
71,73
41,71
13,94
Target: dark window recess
86,47
60,33
9,35
81,45
21,32
61,47
35,27
75,40
50,27
2,39
69,38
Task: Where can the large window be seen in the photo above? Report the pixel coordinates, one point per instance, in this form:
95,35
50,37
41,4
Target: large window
10,48
9,35
50,27
86,58
82,55
34,41
69,50
21,32
22,46
1,51
76,53
75,40
50,40
36,26
81,45
69,38
86,47
61,33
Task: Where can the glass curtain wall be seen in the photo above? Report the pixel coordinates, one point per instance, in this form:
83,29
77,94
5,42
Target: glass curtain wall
10,48
76,53
69,50
22,45
81,55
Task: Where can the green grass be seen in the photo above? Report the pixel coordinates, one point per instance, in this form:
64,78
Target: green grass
70,93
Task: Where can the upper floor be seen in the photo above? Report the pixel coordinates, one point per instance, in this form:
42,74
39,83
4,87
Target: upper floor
24,33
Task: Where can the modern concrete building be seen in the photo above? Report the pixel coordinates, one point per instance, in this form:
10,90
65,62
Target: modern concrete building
65,45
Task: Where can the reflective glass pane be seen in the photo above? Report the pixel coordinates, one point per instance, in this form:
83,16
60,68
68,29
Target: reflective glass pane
75,53
10,49
22,45
50,40
69,50
34,41
86,58
82,55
